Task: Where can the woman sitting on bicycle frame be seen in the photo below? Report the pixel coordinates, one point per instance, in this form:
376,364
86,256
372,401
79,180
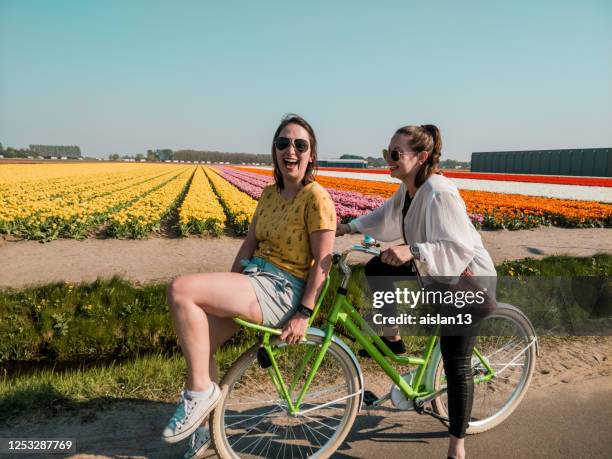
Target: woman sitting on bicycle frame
443,242
276,277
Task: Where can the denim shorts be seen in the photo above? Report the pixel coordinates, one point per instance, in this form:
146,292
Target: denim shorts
278,292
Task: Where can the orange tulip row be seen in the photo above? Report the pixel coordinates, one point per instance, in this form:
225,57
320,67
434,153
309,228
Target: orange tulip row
519,211
498,210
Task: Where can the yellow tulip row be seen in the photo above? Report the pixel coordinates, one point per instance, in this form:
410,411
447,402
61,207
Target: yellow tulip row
201,211
82,204
238,205
145,215
46,186
68,172
78,195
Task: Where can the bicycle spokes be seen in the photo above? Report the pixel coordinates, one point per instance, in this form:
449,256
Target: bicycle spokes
502,366
258,418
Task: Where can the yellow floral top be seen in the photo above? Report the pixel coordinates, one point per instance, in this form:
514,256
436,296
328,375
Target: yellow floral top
283,226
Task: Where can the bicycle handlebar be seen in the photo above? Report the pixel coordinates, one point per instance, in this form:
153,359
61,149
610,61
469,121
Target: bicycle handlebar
361,248
368,245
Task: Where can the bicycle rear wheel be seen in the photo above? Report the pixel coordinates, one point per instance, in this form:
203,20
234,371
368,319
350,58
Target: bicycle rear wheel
252,420
508,344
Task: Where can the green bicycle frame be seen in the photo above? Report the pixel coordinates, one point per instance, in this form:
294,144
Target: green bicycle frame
343,313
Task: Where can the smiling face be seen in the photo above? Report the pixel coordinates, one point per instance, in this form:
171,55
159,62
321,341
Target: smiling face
291,162
409,161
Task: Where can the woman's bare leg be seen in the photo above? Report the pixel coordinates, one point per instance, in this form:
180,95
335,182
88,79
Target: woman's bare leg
456,447
224,329
196,298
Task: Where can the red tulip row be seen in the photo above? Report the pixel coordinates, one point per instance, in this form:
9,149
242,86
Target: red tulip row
552,179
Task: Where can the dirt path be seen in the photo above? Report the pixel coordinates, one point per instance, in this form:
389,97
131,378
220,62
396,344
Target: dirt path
566,411
159,259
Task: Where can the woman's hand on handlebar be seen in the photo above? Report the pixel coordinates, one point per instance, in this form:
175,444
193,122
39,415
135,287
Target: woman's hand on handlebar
396,256
342,228
295,329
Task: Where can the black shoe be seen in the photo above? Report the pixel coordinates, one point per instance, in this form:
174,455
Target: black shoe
397,347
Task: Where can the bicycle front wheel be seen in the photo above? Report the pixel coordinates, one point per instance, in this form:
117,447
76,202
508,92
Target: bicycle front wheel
508,344
253,420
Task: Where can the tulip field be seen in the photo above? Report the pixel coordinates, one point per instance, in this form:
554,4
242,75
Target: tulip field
123,200
486,209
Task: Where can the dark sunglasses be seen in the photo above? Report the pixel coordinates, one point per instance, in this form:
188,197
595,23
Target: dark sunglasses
394,155
300,145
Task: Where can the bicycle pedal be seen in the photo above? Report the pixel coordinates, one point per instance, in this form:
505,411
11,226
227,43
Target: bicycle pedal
433,414
369,398
263,358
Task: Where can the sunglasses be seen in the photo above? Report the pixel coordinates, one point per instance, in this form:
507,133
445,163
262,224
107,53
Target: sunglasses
300,145
393,155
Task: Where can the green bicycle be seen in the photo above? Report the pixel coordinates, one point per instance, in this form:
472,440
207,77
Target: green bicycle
301,400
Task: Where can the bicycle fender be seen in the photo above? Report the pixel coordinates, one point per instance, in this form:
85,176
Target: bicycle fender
430,371
531,327
345,348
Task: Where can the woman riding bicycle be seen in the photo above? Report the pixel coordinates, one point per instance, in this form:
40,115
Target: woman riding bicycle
428,212
275,279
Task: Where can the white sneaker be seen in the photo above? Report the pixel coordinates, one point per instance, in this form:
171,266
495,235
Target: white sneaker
189,415
198,443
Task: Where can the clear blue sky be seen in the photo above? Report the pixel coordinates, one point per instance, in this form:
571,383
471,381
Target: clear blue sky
125,76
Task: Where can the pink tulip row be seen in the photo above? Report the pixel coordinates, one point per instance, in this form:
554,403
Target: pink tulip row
250,184
349,204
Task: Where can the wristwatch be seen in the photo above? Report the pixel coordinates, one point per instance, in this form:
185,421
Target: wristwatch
416,253
304,310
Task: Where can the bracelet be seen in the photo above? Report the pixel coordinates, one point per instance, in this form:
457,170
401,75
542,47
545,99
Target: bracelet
304,310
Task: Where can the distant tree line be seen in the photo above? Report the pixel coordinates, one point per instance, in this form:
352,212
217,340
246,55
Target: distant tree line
218,156
195,155
70,151
380,162
11,152
118,157
454,164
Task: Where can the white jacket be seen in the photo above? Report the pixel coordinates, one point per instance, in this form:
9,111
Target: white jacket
437,223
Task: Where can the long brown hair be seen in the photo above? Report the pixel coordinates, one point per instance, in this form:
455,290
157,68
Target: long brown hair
309,176
425,137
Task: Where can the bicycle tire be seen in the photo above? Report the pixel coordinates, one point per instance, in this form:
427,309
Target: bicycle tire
335,358
482,419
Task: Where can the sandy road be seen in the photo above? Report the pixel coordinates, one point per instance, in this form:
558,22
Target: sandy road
565,420
160,259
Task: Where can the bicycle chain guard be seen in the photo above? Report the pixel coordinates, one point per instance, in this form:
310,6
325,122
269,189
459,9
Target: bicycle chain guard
398,398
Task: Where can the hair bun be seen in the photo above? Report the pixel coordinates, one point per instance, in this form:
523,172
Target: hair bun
433,130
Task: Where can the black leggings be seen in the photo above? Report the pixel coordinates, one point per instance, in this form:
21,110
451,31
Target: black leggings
456,353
